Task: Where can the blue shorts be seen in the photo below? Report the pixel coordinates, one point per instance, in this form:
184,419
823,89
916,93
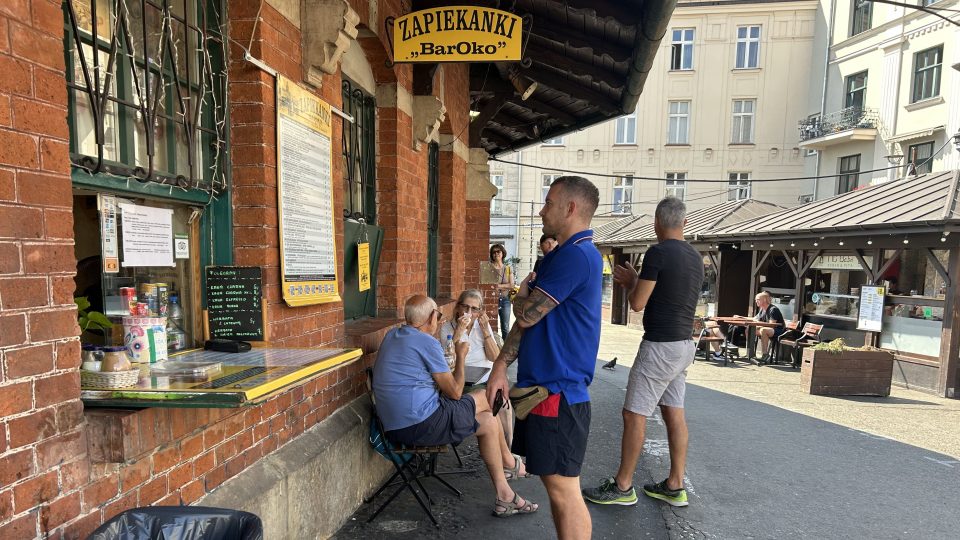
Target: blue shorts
451,423
553,437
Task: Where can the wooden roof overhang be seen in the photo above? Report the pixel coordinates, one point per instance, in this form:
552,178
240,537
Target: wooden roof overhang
589,59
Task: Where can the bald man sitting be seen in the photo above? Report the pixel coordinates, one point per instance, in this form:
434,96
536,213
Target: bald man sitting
421,403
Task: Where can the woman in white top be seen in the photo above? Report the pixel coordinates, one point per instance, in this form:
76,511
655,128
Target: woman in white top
473,326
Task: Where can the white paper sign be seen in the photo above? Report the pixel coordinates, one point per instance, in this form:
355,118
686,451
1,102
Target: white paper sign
871,308
147,235
181,246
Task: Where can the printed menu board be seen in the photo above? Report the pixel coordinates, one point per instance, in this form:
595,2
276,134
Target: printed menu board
308,251
871,308
235,303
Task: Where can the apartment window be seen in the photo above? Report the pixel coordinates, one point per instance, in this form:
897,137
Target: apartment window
856,90
738,188
627,129
547,181
926,3
678,127
623,194
849,177
496,204
681,49
862,15
676,185
919,157
748,47
743,113
926,73
556,141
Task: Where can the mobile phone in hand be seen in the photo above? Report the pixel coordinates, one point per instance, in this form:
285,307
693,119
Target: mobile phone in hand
497,402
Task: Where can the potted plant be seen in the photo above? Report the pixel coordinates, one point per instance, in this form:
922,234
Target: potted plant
834,369
94,326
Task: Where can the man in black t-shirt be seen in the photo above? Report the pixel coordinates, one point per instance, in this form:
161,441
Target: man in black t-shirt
666,290
768,313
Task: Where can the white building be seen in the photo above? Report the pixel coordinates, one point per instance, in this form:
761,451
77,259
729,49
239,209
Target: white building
721,103
890,95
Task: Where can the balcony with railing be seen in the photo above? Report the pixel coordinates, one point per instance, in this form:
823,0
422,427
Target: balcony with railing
818,132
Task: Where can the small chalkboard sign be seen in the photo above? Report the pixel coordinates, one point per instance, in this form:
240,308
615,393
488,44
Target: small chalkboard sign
234,303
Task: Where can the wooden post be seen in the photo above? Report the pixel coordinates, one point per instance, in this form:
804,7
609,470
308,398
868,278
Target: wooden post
798,299
949,383
753,281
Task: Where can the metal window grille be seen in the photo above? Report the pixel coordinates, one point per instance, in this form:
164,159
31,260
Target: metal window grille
359,154
147,87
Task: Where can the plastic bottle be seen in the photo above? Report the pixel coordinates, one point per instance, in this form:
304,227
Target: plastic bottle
176,337
449,353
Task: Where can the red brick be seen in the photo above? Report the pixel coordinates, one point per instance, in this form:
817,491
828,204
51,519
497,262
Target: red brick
83,527
18,149
152,491
36,46
19,222
9,256
34,491
4,38
41,118
16,9
23,527
60,511
55,156
58,224
69,416
165,459
59,449
50,85
58,389
13,330
192,447
100,492
39,189
16,466
191,492
32,428
6,505
48,258
15,398
8,181
204,464
48,17
75,475
16,75
3,441
214,478
125,502
134,475
63,288
23,292
53,324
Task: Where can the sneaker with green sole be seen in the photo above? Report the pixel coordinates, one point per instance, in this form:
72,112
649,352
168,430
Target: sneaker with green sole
673,497
609,493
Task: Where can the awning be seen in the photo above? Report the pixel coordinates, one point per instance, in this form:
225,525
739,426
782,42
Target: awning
916,134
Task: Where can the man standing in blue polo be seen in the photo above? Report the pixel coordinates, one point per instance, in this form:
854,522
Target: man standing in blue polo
556,338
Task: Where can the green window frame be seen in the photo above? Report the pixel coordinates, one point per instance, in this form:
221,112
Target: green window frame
433,219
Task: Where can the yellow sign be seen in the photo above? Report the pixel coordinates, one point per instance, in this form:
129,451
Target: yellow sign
457,34
308,250
363,265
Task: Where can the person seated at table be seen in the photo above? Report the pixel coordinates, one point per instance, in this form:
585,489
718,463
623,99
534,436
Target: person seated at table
472,324
768,313
713,329
421,402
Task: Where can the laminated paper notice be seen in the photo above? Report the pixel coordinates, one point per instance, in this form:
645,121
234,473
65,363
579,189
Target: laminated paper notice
147,235
108,234
870,317
363,265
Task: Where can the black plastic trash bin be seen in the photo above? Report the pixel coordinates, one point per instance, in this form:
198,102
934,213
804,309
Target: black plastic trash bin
181,523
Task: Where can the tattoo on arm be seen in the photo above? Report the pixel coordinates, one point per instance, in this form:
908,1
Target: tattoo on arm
511,346
535,308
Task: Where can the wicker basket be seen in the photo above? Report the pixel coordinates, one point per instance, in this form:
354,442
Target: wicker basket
109,379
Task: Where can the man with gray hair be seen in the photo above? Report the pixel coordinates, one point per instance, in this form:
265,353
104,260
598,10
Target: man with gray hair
666,290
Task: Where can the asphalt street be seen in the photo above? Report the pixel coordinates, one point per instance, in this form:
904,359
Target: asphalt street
754,471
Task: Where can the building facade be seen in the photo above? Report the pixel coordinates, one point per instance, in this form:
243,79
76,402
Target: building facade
887,105
718,105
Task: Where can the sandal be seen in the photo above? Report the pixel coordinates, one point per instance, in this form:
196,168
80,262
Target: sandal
512,473
514,507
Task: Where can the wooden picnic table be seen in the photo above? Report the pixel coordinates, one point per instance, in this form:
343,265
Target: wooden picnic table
746,323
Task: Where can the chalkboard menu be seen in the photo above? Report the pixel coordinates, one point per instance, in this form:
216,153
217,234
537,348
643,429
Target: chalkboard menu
234,303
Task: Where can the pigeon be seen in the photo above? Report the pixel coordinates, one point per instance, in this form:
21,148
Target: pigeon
611,365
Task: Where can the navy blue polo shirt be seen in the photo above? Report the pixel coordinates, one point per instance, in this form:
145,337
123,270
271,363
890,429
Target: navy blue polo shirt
560,351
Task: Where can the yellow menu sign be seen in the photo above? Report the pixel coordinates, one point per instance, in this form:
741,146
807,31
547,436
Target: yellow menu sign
363,265
457,34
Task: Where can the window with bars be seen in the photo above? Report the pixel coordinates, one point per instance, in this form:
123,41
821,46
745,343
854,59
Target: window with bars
926,73
359,154
748,47
855,90
676,185
862,17
743,121
433,219
678,126
496,204
738,188
919,157
626,129
623,194
681,49
849,178
147,84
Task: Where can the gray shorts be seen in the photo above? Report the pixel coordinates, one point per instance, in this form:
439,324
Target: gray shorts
659,375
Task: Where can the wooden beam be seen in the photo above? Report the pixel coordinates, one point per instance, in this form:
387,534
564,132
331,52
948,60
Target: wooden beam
793,265
545,59
753,279
948,384
756,267
620,12
935,262
866,267
574,89
539,107
713,259
810,262
576,40
487,112
889,262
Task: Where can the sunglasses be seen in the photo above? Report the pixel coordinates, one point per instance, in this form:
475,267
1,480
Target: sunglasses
471,309
439,314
